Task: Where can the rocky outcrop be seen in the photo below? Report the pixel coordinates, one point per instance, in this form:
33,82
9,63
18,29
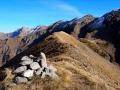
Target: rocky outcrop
106,29
37,66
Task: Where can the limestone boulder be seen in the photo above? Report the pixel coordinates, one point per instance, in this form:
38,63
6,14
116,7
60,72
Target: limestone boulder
32,57
39,71
26,62
20,80
20,69
34,65
43,60
28,73
42,55
25,58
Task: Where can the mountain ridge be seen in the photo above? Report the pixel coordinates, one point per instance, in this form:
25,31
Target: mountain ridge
77,27
77,61
85,52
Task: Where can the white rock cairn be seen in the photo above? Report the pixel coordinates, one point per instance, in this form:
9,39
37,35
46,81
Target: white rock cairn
31,66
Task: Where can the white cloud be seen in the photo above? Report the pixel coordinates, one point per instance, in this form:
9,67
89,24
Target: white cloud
69,8
60,5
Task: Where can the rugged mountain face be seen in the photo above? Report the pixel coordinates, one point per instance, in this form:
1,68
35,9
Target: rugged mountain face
17,41
107,29
24,31
26,37
79,67
21,32
71,27
103,30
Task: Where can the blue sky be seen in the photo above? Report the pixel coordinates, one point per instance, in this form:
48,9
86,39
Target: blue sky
30,13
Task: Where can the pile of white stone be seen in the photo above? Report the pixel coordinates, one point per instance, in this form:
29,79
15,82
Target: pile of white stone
31,66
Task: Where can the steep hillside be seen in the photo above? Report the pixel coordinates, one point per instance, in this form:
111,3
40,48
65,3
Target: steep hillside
103,31
18,41
24,38
107,29
79,67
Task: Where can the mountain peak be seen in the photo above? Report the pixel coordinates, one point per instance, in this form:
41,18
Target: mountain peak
23,31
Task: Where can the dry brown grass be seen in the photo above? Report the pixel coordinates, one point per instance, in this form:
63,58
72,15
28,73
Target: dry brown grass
92,44
79,67
65,38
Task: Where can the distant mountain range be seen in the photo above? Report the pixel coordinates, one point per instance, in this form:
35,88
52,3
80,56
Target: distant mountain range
104,28
87,48
21,32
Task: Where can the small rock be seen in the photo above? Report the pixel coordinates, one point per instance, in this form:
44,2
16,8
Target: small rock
54,76
34,65
26,62
52,68
19,80
43,75
43,60
51,72
42,55
28,73
25,58
31,56
39,71
20,69
47,71
38,60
